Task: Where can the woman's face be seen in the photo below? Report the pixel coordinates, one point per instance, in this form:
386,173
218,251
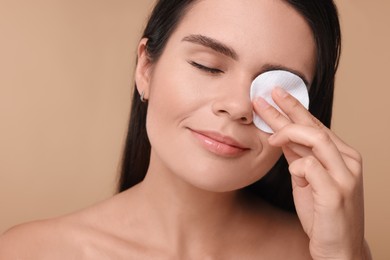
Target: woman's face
199,118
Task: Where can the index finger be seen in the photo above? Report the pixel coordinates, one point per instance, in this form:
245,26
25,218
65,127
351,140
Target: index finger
294,109
269,114
300,115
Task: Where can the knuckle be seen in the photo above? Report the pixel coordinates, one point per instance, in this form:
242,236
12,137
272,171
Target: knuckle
288,128
273,113
310,162
354,162
357,156
355,167
322,136
295,104
294,167
350,185
267,109
317,122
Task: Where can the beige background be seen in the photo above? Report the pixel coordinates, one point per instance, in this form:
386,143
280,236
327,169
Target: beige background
65,84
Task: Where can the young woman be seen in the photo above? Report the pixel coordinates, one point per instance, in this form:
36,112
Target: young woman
199,180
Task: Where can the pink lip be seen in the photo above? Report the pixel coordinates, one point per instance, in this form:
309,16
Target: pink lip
219,144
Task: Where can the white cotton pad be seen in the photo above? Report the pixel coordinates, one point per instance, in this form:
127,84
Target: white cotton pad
264,84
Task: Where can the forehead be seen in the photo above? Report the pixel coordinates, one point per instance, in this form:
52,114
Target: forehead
258,30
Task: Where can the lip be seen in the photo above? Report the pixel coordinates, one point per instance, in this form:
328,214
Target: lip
219,144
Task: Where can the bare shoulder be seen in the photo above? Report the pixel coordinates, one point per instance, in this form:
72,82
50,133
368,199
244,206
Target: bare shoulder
91,233
45,239
56,238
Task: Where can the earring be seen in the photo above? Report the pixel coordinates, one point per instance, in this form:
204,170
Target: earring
143,100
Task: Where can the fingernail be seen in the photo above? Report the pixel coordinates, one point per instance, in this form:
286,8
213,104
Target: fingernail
272,137
281,92
262,103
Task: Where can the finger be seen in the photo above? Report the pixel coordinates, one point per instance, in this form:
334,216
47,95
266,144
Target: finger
310,169
297,113
344,147
355,166
318,141
300,150
269,114
298,181
290,155
294,109
294,151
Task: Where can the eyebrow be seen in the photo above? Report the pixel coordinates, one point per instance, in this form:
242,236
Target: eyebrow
212,44
228,51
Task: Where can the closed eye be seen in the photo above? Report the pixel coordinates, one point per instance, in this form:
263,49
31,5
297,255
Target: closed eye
205,68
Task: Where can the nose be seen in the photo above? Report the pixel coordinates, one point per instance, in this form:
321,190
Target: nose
235,103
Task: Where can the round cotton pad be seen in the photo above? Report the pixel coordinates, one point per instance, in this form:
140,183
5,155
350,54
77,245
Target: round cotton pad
264,84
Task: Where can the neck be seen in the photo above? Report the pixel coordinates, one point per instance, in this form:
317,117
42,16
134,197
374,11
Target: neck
182,214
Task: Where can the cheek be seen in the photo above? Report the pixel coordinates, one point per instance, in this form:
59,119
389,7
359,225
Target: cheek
167,85
177,90
179,95
171,100
265,160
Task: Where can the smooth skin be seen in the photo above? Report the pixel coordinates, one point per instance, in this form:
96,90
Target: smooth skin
327,179
188,206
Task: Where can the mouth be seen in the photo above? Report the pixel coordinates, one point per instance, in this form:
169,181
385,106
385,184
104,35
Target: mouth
219,144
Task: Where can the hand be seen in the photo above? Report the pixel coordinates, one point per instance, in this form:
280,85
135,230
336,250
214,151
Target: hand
326,177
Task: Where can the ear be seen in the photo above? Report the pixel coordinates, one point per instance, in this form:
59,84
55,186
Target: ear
143,69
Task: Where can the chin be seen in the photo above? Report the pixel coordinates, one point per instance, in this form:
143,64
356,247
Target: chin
222,181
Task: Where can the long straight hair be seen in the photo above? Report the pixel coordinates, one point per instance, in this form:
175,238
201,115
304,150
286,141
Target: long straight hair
275,187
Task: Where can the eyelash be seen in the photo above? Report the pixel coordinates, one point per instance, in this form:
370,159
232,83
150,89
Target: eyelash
204,68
